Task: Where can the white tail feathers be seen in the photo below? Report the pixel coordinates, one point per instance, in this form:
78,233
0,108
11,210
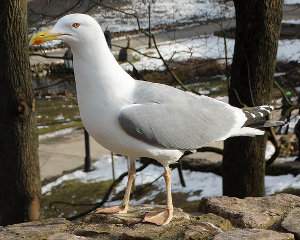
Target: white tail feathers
247,131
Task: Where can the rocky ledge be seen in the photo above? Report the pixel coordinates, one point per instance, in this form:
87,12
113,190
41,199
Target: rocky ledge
221,218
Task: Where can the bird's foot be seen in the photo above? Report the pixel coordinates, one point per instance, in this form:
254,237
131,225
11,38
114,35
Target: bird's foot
159,218
111,210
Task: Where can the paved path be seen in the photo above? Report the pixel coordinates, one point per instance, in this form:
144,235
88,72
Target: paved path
65,153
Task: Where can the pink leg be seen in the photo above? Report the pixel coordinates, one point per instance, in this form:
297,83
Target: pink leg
125,205
164,217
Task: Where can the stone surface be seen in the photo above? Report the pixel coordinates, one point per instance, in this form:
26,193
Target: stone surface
121,227
135,215
251,212
253,234
216,220
292,223
130,226
65,236
39,230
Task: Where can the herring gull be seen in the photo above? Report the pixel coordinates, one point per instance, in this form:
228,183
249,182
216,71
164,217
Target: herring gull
142,119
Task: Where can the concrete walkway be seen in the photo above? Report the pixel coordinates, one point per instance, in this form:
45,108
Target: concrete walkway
65,153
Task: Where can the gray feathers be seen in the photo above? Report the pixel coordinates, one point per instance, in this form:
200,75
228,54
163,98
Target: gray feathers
167,117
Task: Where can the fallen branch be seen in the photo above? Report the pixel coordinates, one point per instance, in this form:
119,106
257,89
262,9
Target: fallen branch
211,149
51,85
47,56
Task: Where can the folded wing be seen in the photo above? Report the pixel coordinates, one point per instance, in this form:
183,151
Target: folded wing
188,122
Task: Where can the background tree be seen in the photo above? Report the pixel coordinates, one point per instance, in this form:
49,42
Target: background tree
257,33
19,166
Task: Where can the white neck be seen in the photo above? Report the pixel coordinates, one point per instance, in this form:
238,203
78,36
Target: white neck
97,73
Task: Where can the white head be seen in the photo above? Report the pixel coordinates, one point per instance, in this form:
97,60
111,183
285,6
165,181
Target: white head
73,29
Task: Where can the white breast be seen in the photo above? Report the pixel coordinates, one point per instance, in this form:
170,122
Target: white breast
103,89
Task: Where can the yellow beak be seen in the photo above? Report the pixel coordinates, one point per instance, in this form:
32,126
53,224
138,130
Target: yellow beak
42,37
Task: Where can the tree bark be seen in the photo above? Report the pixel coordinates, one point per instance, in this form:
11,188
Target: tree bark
19,166
257,33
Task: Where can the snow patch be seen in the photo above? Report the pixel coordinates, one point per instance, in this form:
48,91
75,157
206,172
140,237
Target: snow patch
291,2
163,12
292,21
56,133
199,184
205,47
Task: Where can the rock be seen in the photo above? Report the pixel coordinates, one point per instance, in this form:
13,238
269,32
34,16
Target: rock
253,234
39,230
183,227
135,215
120,226
251,212
201,231
292,223
216,220
130,226
65,236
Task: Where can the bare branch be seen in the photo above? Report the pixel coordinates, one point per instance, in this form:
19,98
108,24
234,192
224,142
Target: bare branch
137,51
76,4
47,56
52,85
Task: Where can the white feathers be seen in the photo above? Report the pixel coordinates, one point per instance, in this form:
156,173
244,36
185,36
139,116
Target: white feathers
240,119
247,131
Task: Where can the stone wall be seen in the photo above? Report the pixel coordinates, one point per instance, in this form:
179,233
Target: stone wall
220,218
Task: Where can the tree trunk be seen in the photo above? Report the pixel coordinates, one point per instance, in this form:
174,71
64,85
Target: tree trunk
256,41
19,166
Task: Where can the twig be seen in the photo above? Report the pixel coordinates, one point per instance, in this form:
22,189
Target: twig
70,204
151,35
59,14
174,76
51,85
137,51
282,92
47,56
180,173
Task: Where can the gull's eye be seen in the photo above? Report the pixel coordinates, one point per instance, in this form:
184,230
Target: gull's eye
75,25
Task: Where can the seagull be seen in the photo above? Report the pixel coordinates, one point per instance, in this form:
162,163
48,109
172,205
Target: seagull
143,119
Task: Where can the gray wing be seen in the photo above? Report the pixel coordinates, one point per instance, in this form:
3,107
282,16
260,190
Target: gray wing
167,117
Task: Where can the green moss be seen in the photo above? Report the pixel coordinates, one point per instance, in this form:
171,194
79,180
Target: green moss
56,127
57,113
294,191
76,192
73,192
